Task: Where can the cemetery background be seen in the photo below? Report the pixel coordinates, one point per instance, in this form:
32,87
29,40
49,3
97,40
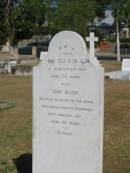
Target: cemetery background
48,20
15,138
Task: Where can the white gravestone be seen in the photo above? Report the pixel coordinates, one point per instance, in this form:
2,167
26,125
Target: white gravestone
67,109
92,39
126,65
43,54
124,74
8,67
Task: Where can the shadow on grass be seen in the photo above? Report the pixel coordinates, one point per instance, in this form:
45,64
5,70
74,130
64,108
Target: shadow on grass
24,163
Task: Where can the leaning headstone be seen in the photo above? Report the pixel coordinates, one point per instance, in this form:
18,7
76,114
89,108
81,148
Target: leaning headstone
67,109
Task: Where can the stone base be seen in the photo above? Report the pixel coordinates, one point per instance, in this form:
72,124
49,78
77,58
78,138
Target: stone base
118,75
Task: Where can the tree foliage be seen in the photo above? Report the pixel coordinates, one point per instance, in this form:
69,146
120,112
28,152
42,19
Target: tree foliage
27,19
100,7
23,18
4,25
6,8
119,8
72,15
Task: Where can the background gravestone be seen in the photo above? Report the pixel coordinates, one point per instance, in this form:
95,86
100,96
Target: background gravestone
67,109
126,65
43,54
123,74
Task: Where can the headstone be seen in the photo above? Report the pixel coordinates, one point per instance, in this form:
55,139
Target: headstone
123,74
118,75
92,39
8,67
126,65
67,109
43,54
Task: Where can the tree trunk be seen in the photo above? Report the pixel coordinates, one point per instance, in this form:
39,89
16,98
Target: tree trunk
118,42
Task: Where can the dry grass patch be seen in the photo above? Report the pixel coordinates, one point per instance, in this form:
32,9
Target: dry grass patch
111,65
16,123
117,127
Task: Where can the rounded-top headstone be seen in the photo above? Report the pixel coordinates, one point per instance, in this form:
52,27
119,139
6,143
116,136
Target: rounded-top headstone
67,43
67,109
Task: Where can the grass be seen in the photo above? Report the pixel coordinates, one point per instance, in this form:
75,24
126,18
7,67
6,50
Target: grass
16,123
5,105
111,65
117,127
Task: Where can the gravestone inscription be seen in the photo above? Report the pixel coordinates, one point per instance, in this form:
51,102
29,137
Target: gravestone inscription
67,109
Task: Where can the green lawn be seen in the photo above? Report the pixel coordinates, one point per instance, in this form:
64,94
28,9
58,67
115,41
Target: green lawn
16,122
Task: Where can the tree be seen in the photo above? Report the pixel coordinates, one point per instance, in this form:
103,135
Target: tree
3,36
6,7
121,11
100,6
72,15
28,19
4,27
127,12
